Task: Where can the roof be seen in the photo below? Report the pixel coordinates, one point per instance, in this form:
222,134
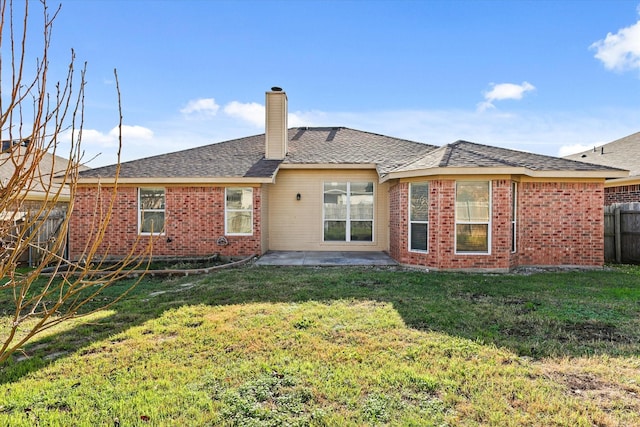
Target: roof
622,153
225,159
243,159
464,154
349,146
41,187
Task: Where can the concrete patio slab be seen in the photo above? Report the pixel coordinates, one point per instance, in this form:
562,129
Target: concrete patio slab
329,258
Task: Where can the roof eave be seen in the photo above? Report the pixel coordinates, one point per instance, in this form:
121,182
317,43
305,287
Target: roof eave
616,182
173,181
43,197
328,166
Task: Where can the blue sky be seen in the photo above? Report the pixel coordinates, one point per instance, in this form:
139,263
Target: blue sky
542,76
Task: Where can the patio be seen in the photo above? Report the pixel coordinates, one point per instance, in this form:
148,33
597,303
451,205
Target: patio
329,258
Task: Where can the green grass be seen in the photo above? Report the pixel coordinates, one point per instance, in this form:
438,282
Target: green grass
342,346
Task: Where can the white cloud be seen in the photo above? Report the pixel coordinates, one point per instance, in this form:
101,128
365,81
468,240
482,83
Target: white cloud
552,133
97,138
254,114
541,133
251,112
301,118
203,107
134,133
620,51
567,150
100,148
504,91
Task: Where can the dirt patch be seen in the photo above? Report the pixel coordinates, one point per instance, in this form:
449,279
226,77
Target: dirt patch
521,306
594,331
580,382
602,392
474,297
528,271
589,331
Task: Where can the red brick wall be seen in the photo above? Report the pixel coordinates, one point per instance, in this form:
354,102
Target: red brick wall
194,220
561,224
622,194
558,224
398,195
441,253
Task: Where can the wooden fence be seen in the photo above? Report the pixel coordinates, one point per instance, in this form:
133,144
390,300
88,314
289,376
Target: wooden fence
622,233
44,231
46,235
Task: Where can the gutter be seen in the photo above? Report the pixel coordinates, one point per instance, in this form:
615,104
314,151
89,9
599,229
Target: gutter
599,174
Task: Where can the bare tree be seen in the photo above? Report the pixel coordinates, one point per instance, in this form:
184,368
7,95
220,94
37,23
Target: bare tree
36,120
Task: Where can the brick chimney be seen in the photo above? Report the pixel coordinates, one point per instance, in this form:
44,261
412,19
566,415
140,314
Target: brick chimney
276,124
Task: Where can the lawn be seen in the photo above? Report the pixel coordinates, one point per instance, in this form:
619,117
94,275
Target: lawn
260,346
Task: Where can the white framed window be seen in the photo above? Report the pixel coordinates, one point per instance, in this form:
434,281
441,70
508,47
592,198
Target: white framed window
473,217
348,211
238,211
419,216
514,217
151,210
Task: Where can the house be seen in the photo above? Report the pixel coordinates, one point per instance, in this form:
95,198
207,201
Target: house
622,153
460,206
32,203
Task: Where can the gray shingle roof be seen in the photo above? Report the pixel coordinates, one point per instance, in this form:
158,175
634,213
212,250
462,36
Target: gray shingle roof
349,146
622,153
233,158
244,157
463,154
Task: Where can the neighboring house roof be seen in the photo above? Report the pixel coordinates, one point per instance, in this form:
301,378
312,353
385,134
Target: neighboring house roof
41,187
622,153
330,147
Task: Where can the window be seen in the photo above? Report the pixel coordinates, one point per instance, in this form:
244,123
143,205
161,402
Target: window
514,211
151,210
348,211
238,211
473,213
418,216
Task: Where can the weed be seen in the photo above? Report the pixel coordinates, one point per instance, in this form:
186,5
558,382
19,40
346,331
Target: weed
303,323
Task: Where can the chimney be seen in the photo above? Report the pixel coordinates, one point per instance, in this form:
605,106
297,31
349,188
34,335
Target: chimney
276,124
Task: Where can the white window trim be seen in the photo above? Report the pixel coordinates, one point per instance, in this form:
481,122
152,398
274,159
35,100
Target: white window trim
226,210
164,211
489,224
410,249
348,218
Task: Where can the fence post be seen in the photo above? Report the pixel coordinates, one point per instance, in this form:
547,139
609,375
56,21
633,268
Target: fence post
617,239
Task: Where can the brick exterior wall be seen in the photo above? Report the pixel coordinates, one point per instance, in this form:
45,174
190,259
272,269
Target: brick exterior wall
194,221
441,240
622,194
561,224
398,223
558,224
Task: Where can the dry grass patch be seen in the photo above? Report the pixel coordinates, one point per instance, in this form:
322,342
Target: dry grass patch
610,384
